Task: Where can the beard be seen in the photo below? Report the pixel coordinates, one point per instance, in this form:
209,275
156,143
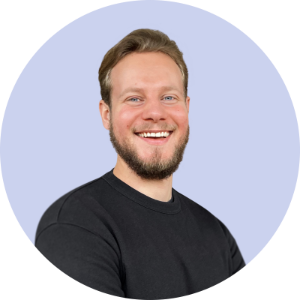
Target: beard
155,168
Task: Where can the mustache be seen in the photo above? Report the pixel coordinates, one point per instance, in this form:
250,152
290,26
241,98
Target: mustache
160,127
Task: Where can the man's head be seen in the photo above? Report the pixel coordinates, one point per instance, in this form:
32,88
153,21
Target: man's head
143,83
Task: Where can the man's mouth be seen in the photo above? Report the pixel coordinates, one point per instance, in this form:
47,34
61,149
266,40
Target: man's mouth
154,137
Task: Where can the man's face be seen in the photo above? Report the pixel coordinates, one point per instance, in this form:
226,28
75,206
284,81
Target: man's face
147,98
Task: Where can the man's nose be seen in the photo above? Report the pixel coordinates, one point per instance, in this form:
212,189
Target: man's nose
154,110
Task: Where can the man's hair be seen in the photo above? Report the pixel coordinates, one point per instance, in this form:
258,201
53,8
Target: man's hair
140,40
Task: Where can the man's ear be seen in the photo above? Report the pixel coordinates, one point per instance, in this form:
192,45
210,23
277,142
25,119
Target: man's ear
187,102
105,114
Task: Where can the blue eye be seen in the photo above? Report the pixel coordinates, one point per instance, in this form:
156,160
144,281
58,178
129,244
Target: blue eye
169,97
132,98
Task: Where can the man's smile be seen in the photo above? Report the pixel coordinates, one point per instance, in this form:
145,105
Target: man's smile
154,137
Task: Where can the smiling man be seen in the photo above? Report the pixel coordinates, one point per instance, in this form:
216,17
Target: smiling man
148,121
129,233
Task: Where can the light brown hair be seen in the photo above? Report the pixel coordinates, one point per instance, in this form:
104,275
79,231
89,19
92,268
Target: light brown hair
140,40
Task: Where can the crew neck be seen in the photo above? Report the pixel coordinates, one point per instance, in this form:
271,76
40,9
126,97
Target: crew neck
171,207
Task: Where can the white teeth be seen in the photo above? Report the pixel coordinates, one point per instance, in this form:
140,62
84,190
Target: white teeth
153,134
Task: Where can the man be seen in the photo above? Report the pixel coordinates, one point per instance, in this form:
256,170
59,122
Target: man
129,233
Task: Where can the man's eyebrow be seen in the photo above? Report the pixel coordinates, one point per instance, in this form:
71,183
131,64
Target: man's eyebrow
136,89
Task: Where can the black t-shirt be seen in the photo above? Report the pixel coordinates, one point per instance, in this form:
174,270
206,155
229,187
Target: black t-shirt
117,240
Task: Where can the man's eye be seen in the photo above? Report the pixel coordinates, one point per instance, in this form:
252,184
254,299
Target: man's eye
169,97
132,98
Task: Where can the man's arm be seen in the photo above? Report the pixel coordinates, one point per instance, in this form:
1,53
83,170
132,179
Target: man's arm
242,281
72,254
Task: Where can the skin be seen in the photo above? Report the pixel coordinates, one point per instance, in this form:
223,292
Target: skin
147,95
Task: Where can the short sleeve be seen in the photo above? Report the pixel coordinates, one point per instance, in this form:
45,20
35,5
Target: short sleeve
84,256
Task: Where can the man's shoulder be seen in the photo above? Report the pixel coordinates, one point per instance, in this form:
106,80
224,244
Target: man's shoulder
77,207
189,203
206,219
